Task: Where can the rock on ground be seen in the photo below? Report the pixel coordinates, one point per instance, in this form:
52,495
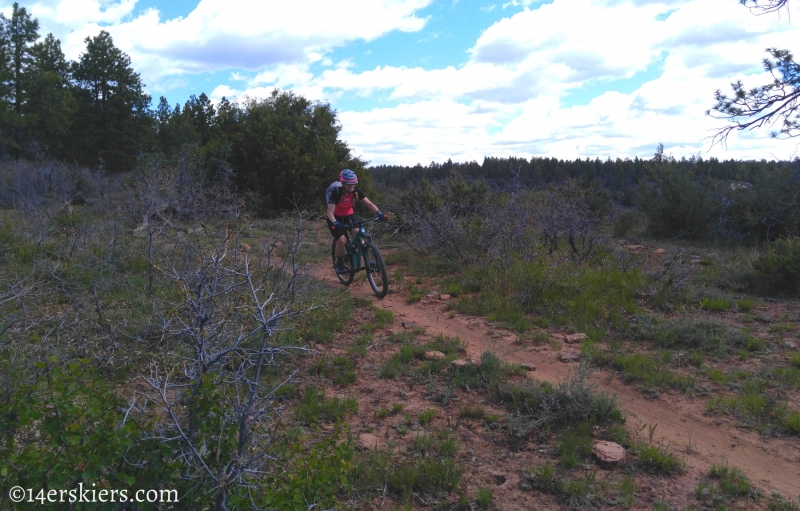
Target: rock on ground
608,453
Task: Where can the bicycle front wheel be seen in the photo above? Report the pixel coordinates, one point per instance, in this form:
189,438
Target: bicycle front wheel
376,270
347,277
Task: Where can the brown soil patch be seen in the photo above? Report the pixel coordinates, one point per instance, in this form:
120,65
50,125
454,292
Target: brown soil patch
679,420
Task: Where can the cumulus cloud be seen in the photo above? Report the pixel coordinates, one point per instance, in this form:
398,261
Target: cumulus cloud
509,96
534,58
228,34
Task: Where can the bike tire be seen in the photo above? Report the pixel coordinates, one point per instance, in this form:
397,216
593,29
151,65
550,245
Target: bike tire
376,270
347,277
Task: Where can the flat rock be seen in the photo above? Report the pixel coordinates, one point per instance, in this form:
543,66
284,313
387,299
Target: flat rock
570,356
407,325
434,355
571,339
659,251
636,248
244,247
460,362
527,366
791,345
444,297
608,453
369,442
558,337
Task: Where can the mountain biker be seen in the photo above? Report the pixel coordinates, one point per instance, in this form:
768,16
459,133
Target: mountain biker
341,196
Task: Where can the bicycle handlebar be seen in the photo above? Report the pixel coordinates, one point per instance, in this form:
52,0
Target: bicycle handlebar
358,223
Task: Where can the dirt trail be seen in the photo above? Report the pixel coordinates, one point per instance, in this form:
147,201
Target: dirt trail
770,463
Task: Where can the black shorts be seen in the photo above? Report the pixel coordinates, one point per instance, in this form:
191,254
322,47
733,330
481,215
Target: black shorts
338,233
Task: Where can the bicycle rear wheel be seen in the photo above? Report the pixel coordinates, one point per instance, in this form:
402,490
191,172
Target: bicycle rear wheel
347,277
376,270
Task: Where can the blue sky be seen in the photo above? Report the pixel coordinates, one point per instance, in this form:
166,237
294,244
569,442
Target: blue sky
427,80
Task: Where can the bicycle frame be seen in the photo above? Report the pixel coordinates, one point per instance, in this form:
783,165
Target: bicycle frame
353,246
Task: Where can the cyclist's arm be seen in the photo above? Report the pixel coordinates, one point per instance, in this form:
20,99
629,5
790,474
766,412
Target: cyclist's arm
368,203
331,208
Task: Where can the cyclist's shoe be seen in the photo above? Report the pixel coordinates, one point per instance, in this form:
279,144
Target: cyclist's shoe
340,265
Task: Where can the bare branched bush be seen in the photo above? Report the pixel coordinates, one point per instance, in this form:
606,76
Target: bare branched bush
468,223
563,212
220,397
179,187
33,185
665,282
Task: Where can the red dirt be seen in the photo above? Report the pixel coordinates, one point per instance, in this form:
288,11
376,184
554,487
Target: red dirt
679,420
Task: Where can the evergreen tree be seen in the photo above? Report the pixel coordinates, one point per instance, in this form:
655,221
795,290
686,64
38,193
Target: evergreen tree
50,106
285,149
113,110
6,111
20,32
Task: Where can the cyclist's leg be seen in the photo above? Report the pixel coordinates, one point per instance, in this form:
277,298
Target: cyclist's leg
338,234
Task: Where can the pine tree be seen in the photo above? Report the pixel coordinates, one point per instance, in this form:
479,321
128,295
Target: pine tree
20,32
50,105
113,110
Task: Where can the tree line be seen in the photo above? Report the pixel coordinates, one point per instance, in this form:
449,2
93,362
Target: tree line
95,112
739,201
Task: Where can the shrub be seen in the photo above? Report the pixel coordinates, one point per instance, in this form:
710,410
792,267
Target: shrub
779,267
657,459
746,305
427,476
675,196
725,484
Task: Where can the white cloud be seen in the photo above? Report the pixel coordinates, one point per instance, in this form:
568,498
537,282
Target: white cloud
226,34
529,61
506,99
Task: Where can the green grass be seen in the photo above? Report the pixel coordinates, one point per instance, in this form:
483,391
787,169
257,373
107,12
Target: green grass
724,485
576,445
369,470
656,459
789,376
572,493
426,476
484,497
781,328
488,375
472,412
745,305
794,359
539,407
584,298
340,370
415,293
437,445
704,334
652,372
314,406
360,344
715,304
426,417
777,502
757,409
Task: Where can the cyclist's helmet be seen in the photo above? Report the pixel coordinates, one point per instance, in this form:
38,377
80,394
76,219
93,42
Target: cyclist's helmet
348,177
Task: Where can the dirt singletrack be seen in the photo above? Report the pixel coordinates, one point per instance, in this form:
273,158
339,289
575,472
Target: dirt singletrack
678,420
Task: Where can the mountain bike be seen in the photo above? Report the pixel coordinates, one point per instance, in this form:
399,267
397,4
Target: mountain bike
362,249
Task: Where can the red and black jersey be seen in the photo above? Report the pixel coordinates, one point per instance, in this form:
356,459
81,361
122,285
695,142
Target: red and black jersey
335,194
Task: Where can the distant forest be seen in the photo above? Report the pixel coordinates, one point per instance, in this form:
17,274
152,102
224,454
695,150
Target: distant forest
620,177
282,151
